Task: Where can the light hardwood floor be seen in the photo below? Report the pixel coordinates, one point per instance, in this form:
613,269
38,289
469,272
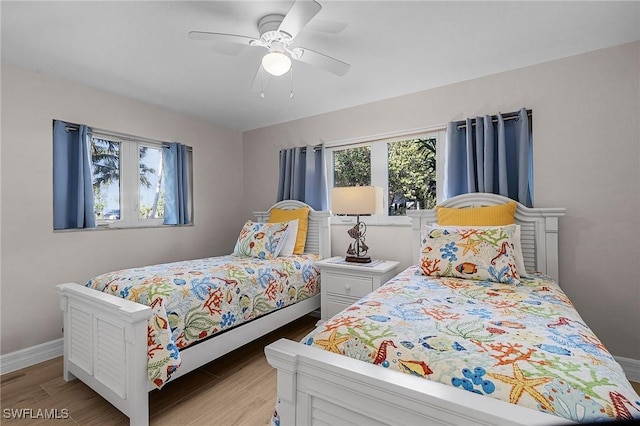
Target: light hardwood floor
237,389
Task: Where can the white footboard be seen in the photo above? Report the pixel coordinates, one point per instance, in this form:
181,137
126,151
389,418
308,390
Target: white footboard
105,346
317,387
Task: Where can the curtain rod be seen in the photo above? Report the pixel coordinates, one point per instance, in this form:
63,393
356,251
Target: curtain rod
122,136
401,134
505,117
316,148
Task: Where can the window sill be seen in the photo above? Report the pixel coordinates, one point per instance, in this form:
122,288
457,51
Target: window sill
402,221
100,228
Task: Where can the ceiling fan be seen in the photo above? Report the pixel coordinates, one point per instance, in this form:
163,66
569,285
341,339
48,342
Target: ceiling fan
277,33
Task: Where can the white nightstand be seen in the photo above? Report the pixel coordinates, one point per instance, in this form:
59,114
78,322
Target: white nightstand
342,284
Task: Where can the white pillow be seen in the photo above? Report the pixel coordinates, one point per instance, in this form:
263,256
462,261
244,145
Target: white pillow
290,240
517,245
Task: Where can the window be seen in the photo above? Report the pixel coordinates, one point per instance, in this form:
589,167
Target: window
404,166
412,175
150,189
105,158
127,181
352,167
111,179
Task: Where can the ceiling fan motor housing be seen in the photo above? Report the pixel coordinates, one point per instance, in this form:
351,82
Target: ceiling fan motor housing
268,28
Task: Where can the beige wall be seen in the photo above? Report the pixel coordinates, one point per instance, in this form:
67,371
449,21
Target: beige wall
34,258
587,157
586,129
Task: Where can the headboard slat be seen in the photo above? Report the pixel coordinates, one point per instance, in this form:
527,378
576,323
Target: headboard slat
318,234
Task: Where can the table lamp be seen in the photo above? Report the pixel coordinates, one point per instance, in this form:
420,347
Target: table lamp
357,200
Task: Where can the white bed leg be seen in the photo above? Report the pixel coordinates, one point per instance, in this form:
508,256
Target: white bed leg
285,365
141,416
67,375
137,378
286,404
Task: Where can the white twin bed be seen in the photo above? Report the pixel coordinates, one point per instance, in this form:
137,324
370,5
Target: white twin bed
492,353
106,336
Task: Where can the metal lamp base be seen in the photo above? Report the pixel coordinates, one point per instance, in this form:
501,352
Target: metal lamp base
356,259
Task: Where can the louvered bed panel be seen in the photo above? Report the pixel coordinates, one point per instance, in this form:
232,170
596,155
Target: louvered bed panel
528,239
110,355
80,348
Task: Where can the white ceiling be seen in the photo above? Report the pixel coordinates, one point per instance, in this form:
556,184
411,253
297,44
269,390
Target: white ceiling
141,50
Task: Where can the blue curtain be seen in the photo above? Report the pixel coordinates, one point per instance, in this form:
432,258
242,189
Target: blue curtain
303,177
490,154
176,184
72,177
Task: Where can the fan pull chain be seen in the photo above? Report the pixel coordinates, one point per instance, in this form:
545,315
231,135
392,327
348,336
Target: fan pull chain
291,93
261,82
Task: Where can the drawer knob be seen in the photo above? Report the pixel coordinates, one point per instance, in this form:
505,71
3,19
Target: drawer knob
347,287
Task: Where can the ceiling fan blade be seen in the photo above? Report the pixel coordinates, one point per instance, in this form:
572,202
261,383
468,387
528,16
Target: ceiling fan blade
228,38
327,63
301,12
324,26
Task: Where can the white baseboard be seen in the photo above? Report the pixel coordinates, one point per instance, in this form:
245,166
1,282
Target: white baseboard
36,354
631,367
30,356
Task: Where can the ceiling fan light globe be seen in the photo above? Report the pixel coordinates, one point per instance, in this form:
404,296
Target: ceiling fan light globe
276,63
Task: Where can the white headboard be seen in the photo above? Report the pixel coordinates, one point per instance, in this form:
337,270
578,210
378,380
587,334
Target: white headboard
539,229
318,234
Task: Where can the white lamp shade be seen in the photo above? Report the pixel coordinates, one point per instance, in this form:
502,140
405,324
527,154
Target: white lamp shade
276,63
356,200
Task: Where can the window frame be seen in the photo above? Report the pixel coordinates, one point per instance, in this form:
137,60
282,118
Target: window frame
130,183
146,221
378,145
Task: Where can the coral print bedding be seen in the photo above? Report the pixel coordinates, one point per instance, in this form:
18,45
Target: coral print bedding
194,299
523,343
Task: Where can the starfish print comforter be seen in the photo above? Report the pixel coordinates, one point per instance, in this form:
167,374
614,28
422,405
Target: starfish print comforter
525,344
192,300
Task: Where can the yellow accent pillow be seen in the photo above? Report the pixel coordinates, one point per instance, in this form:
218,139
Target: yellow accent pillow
302,214
503,214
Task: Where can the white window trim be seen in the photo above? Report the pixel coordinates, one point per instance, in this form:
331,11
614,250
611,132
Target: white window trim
379,174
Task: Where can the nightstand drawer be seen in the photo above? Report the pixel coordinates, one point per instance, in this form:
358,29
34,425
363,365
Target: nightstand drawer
347,285
343,283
